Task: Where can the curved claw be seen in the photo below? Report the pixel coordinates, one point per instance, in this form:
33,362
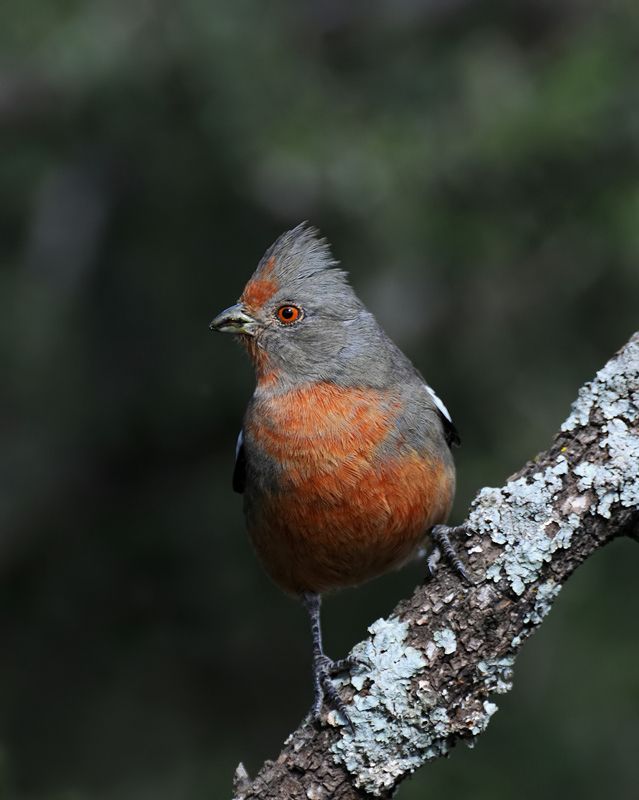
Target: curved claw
323,669
441,536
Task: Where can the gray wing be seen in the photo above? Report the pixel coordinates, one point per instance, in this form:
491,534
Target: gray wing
239,471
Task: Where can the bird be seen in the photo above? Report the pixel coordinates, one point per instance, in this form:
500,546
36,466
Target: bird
344,456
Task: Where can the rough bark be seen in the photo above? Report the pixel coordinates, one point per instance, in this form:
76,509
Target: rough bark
429,672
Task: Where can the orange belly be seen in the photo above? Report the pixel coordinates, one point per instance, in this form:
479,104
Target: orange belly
345,506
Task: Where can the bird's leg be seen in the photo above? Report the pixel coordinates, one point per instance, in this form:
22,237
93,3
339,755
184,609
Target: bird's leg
444,547
323,666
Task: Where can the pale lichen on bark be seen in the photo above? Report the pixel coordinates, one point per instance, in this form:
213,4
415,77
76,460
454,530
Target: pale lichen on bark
517,518
428,674
385,715
614,394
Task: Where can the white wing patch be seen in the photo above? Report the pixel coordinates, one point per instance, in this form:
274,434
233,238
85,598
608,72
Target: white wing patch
438,403
239,443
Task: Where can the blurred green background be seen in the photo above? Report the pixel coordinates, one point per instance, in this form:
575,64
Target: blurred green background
475,164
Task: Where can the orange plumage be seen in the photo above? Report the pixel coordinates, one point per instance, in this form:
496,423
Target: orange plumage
343,511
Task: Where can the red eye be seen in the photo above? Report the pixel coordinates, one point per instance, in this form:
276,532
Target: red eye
287,315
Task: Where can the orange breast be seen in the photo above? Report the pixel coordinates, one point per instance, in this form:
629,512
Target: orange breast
346,504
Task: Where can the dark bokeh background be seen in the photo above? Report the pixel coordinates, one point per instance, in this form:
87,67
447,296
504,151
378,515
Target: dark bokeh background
476,166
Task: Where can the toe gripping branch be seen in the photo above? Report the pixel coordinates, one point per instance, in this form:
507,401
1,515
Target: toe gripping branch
444,547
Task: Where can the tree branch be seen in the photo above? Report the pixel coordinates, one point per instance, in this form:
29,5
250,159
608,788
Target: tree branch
429,671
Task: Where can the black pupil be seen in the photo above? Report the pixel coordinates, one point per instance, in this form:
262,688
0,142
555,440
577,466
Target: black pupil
288,312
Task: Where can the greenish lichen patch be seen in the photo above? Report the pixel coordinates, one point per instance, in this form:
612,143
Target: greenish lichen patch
616,480
522,519
446,639
614,394
497,674
615,390
544,597
399,722
480,721
393,734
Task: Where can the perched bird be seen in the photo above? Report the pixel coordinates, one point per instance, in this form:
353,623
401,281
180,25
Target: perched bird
344,456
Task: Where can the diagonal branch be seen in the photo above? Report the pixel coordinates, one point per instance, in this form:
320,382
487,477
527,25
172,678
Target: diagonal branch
429,671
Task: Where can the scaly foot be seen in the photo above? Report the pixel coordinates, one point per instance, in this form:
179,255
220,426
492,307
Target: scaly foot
324,668
444,547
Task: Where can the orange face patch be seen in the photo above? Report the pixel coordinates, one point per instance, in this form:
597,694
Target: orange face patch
264,372
261,288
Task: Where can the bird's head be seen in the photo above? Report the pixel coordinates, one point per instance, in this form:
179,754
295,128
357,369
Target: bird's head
298,316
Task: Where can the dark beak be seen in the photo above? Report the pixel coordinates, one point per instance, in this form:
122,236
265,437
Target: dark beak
234,320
